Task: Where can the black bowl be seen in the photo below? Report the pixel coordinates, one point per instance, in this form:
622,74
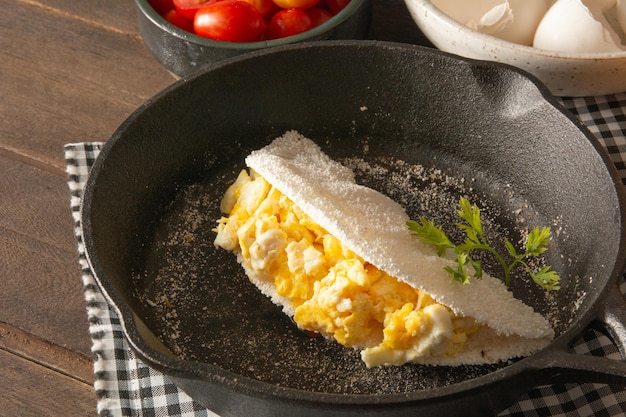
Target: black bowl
182,52
188,309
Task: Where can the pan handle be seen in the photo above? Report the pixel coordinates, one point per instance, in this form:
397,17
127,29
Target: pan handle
558,363
613,317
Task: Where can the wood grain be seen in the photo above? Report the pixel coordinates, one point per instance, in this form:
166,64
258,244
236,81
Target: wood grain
45,353
116,16
67,80
37,391
41,286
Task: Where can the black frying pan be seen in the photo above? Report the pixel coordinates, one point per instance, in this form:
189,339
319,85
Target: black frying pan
478,129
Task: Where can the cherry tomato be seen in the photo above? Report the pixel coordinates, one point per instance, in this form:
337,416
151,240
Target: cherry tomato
335,6
267,8
230,20
319,15
189,8
288,23
161,6
296,4
174,17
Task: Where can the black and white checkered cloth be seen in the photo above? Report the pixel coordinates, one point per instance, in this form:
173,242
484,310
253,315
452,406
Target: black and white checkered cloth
127,387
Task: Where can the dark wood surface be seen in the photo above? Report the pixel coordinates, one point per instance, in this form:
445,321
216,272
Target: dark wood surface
71,71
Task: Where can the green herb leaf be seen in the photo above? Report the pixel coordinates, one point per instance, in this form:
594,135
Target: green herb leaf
547,279
471,233
471,214
428,233
460,274
538,240
478,268
536,244
510,248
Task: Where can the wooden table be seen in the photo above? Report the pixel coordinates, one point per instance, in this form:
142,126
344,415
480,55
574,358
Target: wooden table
72,71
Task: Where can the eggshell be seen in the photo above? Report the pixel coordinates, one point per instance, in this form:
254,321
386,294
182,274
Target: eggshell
495,19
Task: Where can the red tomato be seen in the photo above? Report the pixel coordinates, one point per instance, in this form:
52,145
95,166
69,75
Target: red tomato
161,6
319,15
174,17
288,23
335,6
189,8
266,7
230,20
296,4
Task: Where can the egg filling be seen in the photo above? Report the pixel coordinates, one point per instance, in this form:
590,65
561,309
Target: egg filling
330,289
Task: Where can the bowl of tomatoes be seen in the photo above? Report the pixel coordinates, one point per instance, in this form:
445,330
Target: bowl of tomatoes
187,35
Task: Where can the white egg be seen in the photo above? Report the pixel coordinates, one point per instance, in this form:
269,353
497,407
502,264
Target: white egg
577,26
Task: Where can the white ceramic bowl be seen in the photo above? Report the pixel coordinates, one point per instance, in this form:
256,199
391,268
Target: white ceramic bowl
565,74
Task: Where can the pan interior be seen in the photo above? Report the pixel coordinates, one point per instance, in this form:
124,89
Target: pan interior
427,130
199,302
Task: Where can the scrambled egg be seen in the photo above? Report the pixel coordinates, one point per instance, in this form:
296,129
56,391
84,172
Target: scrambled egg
330,289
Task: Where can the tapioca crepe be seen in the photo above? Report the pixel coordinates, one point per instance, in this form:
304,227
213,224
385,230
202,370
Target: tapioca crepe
339,259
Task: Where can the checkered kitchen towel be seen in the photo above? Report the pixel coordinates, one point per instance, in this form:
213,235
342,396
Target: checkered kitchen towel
127,387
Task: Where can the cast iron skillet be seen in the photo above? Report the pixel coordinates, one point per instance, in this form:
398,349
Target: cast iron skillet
421,125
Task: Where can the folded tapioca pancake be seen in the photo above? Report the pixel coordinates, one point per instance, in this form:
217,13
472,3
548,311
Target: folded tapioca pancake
339,258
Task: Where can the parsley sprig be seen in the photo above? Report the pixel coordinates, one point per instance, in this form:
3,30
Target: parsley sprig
536,244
